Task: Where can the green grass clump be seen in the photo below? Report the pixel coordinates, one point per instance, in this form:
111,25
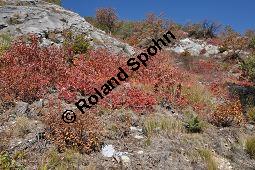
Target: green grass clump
54,160
198,94
251,113
207,156
22,127
5,42
250,147
162,124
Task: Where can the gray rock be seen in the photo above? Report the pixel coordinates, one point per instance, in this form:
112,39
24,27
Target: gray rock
194,47
211,50
21,108
250,127
135,129
35,108
46,42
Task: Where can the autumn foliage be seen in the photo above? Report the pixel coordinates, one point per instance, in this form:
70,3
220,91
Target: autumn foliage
28,71
228,114
106,18
80,135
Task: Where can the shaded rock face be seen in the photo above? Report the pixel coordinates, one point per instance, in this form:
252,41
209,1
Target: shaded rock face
245,94
21,17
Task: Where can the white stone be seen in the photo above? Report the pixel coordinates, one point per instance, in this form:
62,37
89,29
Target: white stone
194,47
138,137
125,159
108,151
225,52
132,128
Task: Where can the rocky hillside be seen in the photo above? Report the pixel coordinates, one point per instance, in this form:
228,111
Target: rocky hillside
191,107
42,18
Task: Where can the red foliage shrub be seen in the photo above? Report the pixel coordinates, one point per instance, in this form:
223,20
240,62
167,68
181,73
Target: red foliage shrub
164,78
89,72
81,134
132,98
204,66
93,71
160,72
150,28
28,70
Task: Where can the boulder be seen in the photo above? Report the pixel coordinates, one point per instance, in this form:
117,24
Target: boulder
194,47
21,108
35,108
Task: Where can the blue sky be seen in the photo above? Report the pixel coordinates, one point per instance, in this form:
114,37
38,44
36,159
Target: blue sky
237,13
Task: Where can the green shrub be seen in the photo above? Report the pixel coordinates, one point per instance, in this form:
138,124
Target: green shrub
249,67
7,162
250,147
252,43
194,125
79,44
222,49
124,30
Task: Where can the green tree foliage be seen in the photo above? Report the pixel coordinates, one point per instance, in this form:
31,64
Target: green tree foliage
124,29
